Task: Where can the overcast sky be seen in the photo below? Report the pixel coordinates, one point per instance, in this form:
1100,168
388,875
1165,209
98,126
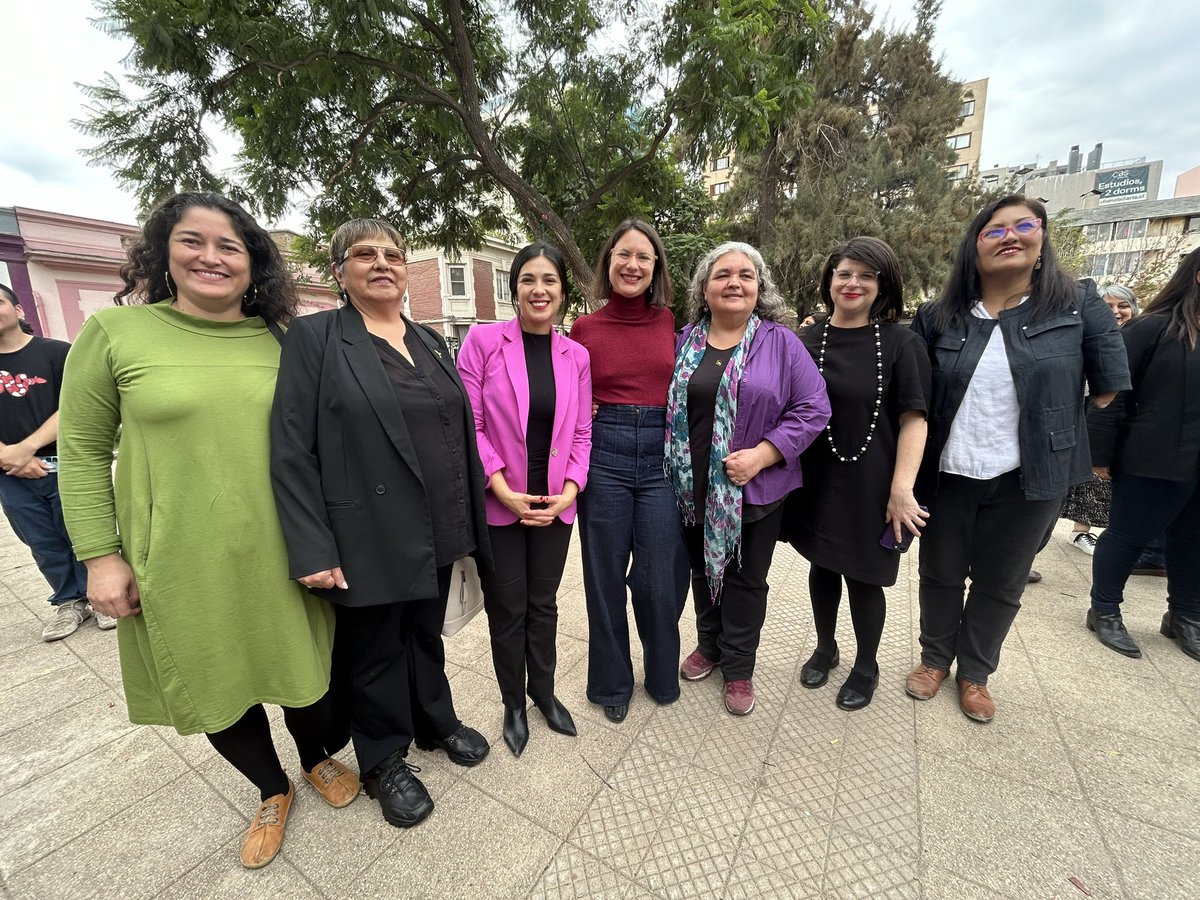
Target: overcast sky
1061,73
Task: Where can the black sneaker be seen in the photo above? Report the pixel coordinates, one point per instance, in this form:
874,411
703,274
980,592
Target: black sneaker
402,798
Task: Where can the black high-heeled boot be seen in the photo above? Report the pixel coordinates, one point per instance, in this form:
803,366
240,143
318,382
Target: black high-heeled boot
557,716
516,730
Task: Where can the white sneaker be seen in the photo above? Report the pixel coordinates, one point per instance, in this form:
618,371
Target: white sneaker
1085,541
103,622
67,617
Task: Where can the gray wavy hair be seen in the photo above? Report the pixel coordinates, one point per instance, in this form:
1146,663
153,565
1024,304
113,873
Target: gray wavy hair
770,306
1121,293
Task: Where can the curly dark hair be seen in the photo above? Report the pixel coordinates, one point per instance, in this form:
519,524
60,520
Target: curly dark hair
272,293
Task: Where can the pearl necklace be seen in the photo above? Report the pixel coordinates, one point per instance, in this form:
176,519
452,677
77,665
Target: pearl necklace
878,395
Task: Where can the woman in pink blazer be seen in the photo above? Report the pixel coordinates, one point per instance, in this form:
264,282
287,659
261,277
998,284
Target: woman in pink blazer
531,390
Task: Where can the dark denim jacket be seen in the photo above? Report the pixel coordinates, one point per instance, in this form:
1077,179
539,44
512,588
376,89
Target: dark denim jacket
1050,360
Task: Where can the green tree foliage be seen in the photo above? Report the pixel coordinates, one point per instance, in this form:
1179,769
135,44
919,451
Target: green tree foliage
436,113
867,156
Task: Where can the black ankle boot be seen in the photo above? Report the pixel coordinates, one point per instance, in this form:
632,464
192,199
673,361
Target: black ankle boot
516,730
557,716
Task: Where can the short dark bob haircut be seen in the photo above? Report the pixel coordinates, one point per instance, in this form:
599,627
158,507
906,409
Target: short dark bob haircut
878,256
1053,289
272,293
533,251
660,292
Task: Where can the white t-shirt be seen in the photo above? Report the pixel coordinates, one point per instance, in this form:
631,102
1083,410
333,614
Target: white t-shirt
983,441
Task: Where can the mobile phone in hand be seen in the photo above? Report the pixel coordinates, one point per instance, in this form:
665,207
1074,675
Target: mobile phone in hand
888,539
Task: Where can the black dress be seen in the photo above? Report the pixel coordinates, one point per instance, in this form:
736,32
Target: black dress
835,520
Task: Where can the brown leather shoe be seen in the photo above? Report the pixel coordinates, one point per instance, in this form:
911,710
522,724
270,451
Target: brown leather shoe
265,836
334,782
923,682
975,701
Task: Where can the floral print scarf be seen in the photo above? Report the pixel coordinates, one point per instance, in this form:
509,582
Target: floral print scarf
723,502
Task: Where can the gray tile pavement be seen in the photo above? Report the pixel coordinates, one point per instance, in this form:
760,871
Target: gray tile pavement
1087,784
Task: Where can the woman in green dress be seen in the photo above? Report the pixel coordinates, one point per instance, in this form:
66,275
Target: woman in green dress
183,546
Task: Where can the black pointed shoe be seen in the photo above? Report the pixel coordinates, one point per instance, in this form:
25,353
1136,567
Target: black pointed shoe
617,712
1185,632
815,672
858,690
402,798
465,746
516,730
1110,630
557,716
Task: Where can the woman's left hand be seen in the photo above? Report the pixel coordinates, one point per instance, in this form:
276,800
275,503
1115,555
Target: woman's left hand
903,511
743,465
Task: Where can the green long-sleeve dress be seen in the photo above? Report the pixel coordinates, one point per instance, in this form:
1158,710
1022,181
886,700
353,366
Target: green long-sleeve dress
222,627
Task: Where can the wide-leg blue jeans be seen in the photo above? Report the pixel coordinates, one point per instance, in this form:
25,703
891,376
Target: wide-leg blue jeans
629,511
35,514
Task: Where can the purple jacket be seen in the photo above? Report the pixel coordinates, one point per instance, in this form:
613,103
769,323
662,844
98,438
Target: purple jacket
782,398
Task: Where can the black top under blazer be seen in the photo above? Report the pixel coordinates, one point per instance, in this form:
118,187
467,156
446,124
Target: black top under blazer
1152,430
348,486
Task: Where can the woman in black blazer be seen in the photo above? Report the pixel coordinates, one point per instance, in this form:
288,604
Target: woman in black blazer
1148,443
379,490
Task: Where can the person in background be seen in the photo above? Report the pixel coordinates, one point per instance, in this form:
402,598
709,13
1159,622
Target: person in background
379,491
628,510
859,476
745,401
184,549
531,392
1148,443
1086,504
1012,342
30,381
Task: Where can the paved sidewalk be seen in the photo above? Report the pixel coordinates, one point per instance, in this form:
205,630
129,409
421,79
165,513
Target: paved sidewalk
1087,784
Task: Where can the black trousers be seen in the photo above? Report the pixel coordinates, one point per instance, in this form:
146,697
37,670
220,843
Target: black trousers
987,531
521,600
728,632
390,672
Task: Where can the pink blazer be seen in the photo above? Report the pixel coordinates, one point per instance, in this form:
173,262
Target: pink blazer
492,365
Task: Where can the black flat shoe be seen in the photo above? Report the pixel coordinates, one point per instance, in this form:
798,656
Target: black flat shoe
516,730
1185,632
617,712
465,746
402,798
1110,630
557,716
857,691
815,672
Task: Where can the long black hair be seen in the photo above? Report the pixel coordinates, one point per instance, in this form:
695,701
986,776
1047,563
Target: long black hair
272,293
878,255
1180,299
1053,289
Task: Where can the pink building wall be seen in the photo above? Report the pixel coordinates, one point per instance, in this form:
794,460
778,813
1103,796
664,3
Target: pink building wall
1188,184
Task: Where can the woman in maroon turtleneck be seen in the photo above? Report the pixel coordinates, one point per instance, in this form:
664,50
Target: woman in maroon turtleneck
629,507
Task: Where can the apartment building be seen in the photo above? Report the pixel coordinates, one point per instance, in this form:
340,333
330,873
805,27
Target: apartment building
1123,238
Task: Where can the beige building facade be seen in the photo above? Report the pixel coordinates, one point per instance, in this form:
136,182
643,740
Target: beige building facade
1123,238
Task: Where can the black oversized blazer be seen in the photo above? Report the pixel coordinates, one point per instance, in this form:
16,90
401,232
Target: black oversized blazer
348,487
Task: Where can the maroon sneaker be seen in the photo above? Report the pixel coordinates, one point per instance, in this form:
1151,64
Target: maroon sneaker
739,696
697,666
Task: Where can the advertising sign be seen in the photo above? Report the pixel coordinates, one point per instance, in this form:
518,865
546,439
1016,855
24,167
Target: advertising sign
1123,185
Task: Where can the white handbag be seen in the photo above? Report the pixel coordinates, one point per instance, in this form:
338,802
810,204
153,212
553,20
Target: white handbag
466,596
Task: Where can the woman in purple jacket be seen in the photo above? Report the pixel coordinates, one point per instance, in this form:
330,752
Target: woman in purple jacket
531,391
745,401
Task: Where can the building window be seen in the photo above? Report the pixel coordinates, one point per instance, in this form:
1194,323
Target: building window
1100,232
503,295
1135,228
1191,225
959,172
968,109
457,277
1114,264
719,188
959,141
721,163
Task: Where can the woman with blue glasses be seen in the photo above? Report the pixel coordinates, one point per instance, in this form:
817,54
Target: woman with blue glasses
1011,341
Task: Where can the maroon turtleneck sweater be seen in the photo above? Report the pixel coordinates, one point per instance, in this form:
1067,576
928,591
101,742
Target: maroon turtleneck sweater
632,350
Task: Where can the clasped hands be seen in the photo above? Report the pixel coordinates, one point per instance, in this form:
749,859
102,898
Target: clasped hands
521,505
